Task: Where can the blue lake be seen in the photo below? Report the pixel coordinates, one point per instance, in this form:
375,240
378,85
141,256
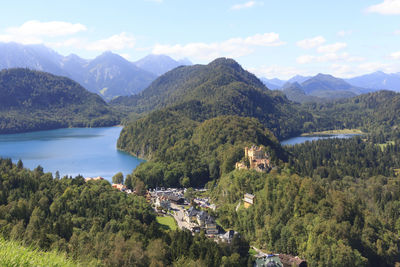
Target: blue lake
90,152
303,139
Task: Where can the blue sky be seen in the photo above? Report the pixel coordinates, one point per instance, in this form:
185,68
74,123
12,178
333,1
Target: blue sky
272,38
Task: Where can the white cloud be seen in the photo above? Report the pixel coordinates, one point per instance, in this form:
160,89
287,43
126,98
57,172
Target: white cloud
387,7
331,48
342,70
332,57
304,59
115,42
375,66
33,31
347,71
235,47
248,4
51,28
395,55
328,57
311,42
275,71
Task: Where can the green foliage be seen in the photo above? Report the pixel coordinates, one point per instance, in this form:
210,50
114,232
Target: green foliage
89,221
118,178
187,153
33,100
222,87
371,112
336,158
184,246
348,222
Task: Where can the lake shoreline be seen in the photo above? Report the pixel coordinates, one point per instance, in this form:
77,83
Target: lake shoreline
89,152
334,132
314,137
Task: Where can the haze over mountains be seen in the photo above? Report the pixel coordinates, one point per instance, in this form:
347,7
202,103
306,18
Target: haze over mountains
376,81
109,74
323,87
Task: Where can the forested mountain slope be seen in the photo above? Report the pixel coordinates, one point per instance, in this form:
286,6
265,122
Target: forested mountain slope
33,100
369,112
222,87
183,152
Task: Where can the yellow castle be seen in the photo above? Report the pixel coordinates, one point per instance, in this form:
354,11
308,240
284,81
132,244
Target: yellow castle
258,159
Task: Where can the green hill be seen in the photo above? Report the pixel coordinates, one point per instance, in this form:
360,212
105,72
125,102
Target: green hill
222,87
184,152
203,118
33,100
378,111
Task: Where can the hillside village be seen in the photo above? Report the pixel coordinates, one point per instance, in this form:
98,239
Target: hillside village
195,213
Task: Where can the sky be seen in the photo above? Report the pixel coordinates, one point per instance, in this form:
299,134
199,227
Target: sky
271,38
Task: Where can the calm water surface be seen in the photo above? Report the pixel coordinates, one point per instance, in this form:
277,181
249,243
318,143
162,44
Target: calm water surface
90,152
303,139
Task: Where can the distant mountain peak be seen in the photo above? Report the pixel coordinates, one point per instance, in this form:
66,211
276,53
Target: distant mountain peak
323,75
159,64
226,62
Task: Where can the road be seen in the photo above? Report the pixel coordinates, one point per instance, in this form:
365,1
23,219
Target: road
179,217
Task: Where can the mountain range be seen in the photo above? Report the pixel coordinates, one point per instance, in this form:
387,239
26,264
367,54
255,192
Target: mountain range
195,121
375,81
222,87
108,75
321,87
111,75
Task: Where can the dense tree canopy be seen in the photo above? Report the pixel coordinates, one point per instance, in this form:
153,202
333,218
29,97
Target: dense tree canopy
347,222
96,224
182,150
33,100
222,87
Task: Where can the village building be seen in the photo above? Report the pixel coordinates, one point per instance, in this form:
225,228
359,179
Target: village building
202,219
175,199
271,260
210,226
162,203
191,215
289,261
257,159
228,236
120,187
98,178
248,200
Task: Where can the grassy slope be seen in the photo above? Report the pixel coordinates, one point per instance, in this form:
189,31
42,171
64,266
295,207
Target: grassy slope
13,254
